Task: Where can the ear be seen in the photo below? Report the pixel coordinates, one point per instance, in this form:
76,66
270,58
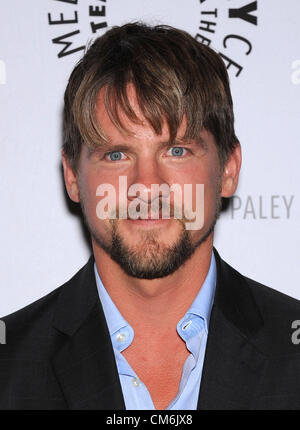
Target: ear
71,180
231,172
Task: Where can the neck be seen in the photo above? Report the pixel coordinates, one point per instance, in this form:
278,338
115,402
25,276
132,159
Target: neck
156,301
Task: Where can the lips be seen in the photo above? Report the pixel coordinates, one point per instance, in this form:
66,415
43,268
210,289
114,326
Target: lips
150,218
148,221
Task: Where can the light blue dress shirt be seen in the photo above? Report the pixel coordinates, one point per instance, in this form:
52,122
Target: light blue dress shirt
192,328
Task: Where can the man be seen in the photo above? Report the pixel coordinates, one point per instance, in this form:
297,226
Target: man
155,319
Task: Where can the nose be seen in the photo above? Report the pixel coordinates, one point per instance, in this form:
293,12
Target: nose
147,179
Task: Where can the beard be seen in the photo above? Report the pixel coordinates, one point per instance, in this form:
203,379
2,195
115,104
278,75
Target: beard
150,258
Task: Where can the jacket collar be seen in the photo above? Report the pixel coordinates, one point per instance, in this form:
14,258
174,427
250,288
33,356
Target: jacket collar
233,366
235,300
233,297
84,362
76,299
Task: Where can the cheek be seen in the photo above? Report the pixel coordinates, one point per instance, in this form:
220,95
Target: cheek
90,186
208,176
198,174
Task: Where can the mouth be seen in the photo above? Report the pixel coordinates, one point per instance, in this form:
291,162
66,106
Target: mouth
148,221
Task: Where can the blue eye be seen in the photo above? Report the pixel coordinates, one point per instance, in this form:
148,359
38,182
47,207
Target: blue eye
115,155
177,151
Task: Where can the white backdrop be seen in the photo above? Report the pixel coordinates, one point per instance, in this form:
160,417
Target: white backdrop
42,241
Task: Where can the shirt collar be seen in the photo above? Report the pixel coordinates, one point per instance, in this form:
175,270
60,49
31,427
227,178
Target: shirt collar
203,302
114,319
201,306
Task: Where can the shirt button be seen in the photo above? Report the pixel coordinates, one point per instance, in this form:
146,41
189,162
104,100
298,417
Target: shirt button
121,337
135,382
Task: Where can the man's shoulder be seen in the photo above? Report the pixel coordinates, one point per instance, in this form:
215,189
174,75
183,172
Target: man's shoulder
279,315
274,304
41,308
265,296
29,338
36,318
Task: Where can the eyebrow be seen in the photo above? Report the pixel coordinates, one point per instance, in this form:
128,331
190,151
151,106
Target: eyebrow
111,147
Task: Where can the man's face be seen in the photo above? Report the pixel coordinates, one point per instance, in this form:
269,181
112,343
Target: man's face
143,248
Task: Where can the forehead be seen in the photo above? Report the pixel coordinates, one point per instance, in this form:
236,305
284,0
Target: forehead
142,129
132,128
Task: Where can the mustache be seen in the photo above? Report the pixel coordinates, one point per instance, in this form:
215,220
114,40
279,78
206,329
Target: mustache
158,210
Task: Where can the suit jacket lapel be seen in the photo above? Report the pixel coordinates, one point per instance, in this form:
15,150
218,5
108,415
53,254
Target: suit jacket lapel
233,367
84,362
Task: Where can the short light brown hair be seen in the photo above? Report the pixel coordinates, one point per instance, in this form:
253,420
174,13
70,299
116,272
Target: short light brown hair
173,75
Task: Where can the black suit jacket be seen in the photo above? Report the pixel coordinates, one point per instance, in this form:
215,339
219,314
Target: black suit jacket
59,355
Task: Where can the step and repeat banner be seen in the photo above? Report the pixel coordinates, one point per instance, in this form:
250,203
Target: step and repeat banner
42,240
